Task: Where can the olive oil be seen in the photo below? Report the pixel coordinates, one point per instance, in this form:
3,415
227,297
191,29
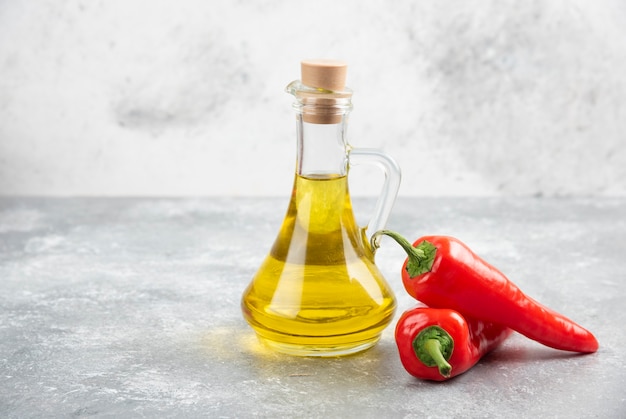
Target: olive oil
318,292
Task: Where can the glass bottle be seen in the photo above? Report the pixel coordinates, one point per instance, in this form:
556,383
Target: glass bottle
318,291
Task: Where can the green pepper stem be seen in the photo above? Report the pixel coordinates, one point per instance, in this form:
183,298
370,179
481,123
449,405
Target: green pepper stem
433,346
420,257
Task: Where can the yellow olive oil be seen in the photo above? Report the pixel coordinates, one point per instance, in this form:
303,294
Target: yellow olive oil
318,292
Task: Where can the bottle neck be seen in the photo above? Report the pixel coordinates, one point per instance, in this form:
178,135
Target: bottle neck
321,128
322,148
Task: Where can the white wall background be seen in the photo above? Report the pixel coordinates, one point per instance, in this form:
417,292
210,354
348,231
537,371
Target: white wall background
493,97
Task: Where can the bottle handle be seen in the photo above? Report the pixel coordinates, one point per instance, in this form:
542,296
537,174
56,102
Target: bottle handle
389,191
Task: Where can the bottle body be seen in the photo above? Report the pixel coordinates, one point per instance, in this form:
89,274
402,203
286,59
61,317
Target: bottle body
318,292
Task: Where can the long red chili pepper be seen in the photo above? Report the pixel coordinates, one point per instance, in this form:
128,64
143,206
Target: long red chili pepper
443,272
438,344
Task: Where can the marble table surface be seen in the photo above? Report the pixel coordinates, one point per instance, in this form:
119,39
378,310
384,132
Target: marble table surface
129,307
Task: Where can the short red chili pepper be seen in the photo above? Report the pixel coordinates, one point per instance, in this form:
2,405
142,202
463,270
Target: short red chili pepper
438,344
443,272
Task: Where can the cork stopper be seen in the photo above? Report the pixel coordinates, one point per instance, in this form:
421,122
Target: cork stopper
324,74
328,98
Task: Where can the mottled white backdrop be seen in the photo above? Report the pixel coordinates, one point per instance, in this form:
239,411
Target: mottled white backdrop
491,97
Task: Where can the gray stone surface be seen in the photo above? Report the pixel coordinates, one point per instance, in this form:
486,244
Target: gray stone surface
130,308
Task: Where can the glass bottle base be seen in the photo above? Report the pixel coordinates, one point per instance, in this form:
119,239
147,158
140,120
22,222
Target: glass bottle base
321,349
